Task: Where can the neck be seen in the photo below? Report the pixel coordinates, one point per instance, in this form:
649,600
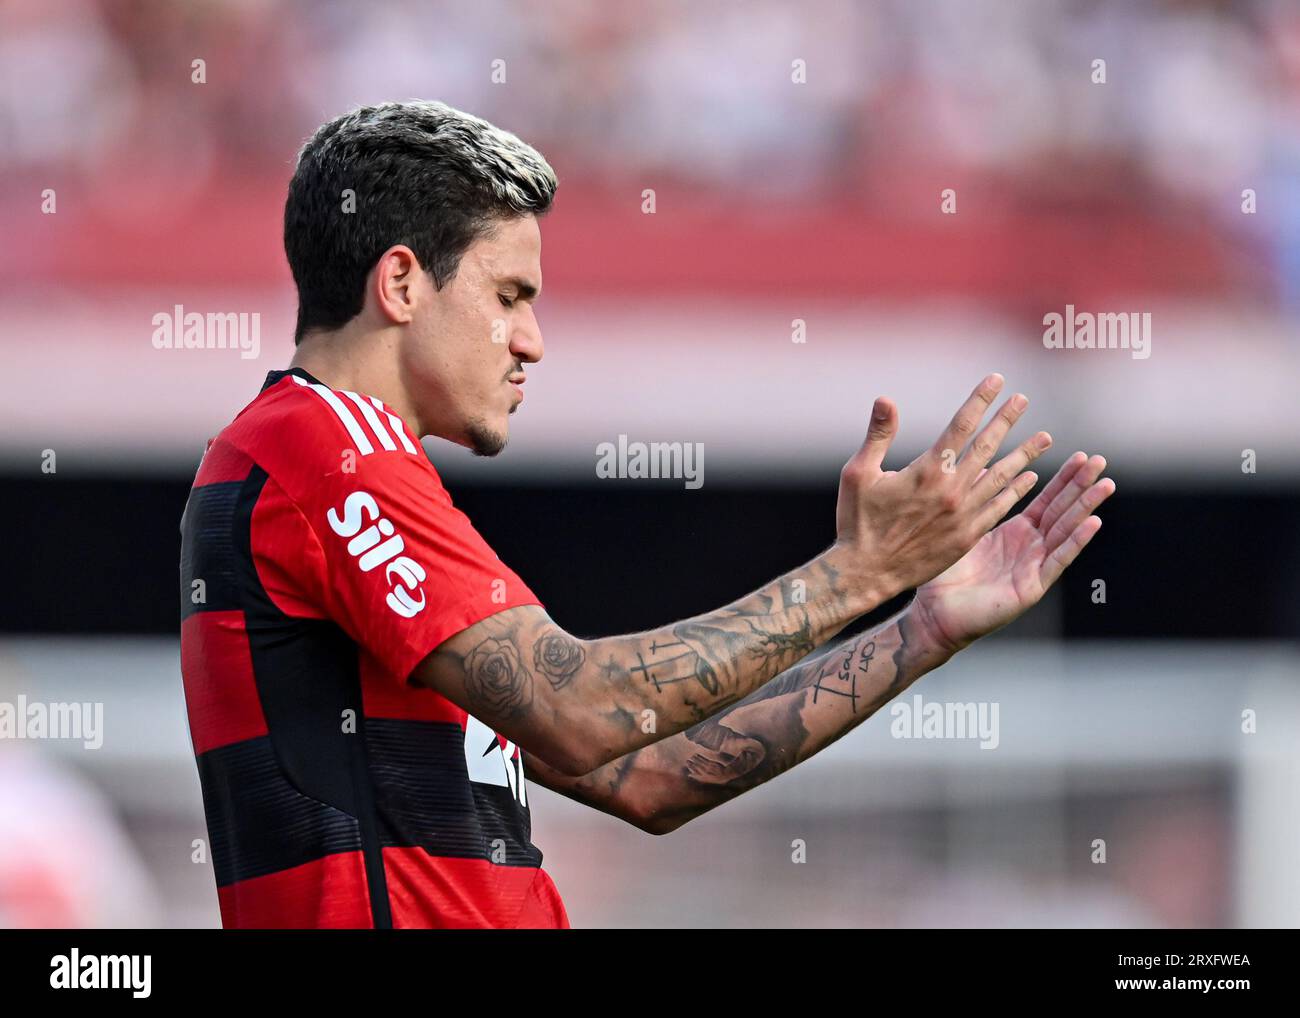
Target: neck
359,361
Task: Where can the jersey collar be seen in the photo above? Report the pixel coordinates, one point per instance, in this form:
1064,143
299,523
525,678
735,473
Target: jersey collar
274,376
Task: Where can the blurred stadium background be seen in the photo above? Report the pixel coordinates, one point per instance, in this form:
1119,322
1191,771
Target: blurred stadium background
775,201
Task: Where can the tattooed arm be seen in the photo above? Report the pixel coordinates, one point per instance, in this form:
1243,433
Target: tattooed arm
808,707
800,713
585,701
577,705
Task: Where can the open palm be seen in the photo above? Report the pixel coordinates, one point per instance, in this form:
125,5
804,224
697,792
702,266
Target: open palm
1013,565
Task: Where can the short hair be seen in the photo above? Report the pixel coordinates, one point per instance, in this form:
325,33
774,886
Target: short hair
423,174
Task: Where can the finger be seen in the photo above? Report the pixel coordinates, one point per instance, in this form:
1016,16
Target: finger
967,419
1057,562
1079,483
1000,474
987,441
998,507
880,432
1039,505
1083,507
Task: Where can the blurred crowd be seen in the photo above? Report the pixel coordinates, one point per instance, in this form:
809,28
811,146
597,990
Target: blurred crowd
998,97
1198,95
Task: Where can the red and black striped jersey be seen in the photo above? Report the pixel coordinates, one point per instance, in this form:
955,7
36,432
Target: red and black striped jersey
321,561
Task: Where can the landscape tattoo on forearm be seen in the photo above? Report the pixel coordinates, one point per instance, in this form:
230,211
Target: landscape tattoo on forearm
796,715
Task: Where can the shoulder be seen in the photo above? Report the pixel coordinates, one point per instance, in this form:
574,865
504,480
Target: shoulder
316,441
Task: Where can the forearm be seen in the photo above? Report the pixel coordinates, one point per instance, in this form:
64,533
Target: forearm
788,720
661,787
579,704
654,684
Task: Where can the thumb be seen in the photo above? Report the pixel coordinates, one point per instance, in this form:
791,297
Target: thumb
880,433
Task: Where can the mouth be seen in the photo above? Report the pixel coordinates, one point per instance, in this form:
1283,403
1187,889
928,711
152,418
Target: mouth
517,383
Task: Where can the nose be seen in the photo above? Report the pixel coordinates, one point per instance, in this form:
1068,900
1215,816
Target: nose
526,338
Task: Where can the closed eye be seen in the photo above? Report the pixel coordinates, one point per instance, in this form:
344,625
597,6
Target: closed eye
505,301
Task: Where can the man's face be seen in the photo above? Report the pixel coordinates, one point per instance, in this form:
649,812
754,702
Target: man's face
464,361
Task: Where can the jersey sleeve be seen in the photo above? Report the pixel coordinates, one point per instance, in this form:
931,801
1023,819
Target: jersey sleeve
404,569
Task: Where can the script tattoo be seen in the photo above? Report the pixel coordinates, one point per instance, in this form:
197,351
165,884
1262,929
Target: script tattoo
558,657
904,671
847,675
764,734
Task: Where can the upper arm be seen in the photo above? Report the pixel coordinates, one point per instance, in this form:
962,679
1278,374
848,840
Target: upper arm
394,563
515,671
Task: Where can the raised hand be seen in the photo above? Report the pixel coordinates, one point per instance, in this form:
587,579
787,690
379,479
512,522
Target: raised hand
904,527
1014,565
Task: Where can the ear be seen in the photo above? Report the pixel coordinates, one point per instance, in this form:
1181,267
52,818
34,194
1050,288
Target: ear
396,284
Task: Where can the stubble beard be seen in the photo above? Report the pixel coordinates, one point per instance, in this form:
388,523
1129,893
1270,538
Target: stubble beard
484,441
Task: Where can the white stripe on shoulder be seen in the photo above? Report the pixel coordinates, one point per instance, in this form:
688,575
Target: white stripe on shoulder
342,412
372,418
397,424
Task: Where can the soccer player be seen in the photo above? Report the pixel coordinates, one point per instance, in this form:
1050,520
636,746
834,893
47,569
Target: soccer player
369,686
